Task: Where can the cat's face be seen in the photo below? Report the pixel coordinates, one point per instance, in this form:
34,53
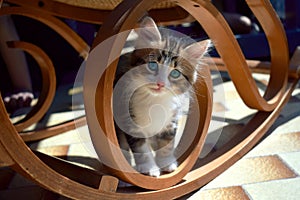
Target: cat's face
165,63
160,71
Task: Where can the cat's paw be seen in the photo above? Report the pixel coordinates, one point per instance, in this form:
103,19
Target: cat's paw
170,168
155,172
151,170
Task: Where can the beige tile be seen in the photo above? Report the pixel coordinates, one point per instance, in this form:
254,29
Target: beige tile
261,77
82,149
83,134
277,143
67,138
236,193
55,150
57,118
238,111
236,108
232,95
287,189
253,170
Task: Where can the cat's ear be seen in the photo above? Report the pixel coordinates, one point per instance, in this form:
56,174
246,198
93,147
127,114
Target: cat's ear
197,50
147,32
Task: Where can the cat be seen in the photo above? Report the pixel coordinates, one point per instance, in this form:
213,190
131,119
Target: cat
149,95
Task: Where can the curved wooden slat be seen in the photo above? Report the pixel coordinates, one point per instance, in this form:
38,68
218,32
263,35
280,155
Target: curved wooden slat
80,46
48,85
256,66
211,20
57,25
277,40
47,132
278,44
27,163
98,102
98,105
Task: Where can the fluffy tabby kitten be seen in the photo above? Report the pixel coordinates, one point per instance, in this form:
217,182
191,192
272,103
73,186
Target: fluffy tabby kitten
160,76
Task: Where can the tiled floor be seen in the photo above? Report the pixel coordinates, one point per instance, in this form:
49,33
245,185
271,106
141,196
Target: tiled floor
271,170
268,171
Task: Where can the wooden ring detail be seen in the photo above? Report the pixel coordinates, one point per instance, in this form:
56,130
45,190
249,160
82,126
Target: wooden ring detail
100,120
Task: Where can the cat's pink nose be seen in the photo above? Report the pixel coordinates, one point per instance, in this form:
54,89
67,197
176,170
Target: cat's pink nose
160,84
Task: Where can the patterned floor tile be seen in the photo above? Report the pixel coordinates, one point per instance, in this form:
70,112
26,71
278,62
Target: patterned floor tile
84,134
234,110
252,170
287,189
292,160
231,95
82,149
55,150
236,193
230,102
56,118
70,137
262,175
277,143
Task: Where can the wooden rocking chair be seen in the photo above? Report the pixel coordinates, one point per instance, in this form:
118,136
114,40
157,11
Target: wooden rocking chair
80,183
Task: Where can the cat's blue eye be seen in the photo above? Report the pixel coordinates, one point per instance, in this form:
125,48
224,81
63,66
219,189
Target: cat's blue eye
175,73
153,66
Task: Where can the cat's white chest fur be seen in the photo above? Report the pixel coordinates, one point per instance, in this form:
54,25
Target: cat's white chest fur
154,112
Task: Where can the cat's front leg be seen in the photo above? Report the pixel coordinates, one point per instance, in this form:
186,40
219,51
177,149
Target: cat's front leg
125,148
143,156
164,146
